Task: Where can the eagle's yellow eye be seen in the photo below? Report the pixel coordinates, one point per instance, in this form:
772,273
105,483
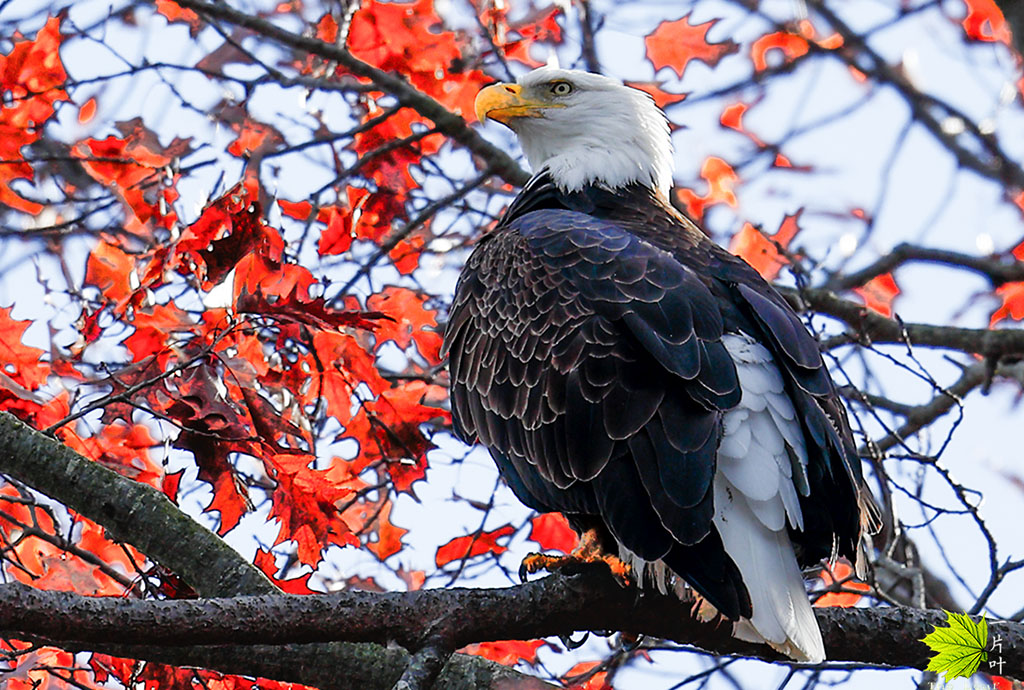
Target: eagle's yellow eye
561,88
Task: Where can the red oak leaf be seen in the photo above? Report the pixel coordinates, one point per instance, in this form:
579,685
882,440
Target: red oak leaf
721,179
841,572
472,545
552,532
791,45
507,652
674,43
879,293
763,252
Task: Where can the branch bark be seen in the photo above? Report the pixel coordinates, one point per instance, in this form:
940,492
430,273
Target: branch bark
556,605
867,325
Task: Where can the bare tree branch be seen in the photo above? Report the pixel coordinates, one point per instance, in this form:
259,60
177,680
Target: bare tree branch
869,326
999,270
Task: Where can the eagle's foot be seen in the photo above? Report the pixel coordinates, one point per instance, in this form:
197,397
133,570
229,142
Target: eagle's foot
588,552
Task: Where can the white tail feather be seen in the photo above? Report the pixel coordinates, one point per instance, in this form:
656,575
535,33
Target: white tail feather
746,484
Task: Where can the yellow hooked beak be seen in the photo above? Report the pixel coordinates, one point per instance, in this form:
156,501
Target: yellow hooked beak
502,102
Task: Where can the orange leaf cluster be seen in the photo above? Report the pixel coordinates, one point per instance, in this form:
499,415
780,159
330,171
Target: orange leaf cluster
242,380
133,165
721,179
761,252
674,43
408,38
32,78
47,565
154,676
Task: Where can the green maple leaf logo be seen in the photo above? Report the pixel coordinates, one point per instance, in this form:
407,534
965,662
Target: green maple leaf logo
960,648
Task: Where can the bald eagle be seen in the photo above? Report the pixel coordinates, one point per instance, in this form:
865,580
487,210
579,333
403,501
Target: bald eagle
628,372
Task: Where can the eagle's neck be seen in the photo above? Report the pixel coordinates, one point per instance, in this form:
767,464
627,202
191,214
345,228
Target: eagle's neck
625,143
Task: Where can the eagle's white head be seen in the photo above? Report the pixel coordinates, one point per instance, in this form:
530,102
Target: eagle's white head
584,128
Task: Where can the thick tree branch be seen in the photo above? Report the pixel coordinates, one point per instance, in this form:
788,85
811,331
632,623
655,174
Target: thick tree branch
142,516
132,512
448,123
556,605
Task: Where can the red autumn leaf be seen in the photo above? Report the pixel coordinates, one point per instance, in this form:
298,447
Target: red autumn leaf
386,157
153,325
552,532
389,536
879,293
662,98
507,652
762,252
109,268
300,210
346,365
841,572
124,448
721,179
985,21
473,545
264,560
409,38
1012,296
171,483
87,112
518,37
176,13
1000,683
410,321
336,238
584,676
255,139
305,504
23,369
229,229
120,162
791,45
732,117
674,43
405,255
390,430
